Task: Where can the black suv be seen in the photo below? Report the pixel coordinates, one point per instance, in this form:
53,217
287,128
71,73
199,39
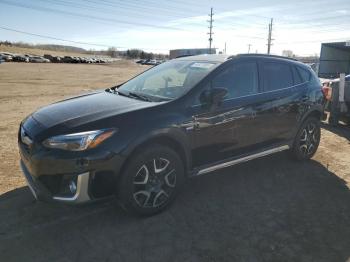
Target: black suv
184,118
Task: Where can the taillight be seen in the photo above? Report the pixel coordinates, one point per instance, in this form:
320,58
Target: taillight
327,92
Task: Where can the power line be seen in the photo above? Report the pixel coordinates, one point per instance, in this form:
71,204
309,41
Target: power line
151,5
298,8
53,38
71,41
154,10
106,5
130,12
316,41
87,16
316,19
337,30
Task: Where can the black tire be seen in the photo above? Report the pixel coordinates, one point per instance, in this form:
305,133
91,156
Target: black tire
307,139
333,121
347,121
150,181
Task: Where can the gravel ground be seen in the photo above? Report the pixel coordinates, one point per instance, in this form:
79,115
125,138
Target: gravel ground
269,209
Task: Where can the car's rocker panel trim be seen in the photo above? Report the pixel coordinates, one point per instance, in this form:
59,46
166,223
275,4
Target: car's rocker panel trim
241,160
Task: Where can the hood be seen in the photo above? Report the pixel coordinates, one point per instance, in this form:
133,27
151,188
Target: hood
87,108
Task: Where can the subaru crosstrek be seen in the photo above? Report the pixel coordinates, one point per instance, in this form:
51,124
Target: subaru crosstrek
190,116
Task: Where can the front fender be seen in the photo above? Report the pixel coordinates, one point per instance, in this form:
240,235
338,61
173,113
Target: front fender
174,134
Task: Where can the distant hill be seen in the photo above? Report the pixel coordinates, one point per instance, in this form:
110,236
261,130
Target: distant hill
63,48
38,51
57,48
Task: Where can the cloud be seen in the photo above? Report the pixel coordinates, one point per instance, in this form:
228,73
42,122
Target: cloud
342,12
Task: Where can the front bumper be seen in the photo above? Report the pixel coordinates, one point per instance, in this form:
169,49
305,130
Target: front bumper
40,192
64,176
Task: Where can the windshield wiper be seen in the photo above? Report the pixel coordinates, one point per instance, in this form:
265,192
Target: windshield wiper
133,95
140,96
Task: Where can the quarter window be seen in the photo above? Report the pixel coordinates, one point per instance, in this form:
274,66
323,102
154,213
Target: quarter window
296,76
240,80
305,74
277,76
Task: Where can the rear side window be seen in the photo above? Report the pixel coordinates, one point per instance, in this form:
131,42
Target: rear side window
277,76
304,74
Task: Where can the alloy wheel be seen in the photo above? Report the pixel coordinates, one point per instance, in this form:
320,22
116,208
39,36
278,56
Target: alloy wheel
154,183
309,139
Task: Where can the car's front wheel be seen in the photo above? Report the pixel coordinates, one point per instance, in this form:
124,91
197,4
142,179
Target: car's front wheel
307,139
150,180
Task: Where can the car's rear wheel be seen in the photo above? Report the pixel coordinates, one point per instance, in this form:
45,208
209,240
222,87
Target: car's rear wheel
307,139
150,180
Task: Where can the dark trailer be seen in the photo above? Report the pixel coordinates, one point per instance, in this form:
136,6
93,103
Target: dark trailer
334,59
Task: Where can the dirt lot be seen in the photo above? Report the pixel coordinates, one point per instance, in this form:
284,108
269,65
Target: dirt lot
270,209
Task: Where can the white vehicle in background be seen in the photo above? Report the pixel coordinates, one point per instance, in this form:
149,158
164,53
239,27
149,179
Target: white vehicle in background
38,59
7,57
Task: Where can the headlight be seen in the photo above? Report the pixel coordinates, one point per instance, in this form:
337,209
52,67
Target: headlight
79,141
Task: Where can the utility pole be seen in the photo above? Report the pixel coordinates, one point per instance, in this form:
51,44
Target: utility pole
210,30
225,48
249,45
269,39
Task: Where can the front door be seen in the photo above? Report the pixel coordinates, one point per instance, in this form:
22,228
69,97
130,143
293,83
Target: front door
229,128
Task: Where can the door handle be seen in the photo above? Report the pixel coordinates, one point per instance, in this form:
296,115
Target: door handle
195,123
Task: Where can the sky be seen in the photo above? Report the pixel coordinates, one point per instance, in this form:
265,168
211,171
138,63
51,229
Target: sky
158,26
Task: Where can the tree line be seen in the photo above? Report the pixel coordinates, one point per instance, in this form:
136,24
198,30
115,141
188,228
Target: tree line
134,54
112,51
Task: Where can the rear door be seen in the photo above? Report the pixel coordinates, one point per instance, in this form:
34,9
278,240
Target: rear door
279,101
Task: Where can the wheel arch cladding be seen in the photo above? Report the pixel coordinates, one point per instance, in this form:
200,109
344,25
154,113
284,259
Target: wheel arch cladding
164,140
314,113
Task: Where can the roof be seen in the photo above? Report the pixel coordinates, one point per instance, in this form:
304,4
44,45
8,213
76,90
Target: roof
191,49
207,58
265,55
223,58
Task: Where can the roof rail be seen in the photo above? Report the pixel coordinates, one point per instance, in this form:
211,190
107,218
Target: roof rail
263,55
180,56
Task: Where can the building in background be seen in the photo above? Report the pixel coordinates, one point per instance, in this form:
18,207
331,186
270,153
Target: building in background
334,59
312,61
288,53
188,52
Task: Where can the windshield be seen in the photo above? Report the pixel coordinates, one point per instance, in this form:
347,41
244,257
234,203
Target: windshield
169,80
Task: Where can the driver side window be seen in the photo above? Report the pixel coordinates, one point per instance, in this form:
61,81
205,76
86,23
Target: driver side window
240,79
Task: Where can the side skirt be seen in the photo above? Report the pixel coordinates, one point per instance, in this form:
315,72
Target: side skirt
205,170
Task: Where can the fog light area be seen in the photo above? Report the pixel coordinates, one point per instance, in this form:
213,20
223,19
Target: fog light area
72,187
